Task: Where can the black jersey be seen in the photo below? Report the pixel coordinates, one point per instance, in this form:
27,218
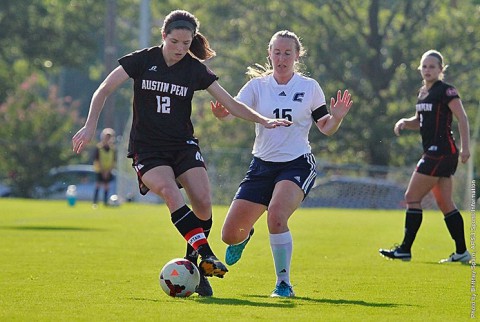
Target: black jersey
162,99
436,119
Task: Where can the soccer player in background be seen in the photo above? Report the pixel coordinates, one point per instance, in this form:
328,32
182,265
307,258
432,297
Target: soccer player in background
103,164
437,103
283,168
162,144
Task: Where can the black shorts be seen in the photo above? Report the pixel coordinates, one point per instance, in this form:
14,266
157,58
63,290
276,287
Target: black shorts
180,161
260,180
102,179
437,165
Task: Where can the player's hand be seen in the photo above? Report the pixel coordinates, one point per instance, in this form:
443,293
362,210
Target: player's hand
400,125
464,155
340,108
82,138
273,123
219,110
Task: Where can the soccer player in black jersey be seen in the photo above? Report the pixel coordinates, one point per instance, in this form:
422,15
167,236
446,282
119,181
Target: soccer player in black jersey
437,103
164,150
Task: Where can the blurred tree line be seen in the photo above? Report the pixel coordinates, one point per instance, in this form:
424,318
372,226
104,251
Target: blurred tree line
370,47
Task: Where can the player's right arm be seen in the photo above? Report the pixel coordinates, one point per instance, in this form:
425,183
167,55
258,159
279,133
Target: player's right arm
241,110
411,123
81,139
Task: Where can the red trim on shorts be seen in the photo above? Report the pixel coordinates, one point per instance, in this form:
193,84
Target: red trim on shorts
434,170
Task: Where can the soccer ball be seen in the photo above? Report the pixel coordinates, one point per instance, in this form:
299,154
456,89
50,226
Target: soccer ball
179,278
113,201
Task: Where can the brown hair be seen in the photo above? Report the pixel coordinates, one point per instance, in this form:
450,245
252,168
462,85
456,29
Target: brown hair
181,19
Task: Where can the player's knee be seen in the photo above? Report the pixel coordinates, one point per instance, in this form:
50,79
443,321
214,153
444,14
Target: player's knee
233,235
276,221
203,208
227,236
445,206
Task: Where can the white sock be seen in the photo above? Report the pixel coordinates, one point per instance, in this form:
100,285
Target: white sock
282,247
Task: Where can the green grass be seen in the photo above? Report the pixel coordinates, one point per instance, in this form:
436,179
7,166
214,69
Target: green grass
60,263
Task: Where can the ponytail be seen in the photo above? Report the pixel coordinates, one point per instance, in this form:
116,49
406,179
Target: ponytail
200,47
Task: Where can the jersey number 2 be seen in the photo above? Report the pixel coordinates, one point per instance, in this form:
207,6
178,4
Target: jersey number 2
163,104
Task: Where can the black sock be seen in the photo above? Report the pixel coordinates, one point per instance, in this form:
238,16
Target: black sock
188,224
105,197
95,196
192,254
454,223
413,220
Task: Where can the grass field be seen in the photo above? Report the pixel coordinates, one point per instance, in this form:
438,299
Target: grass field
60,263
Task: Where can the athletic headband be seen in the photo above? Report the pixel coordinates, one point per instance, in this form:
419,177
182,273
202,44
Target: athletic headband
181,24
436,56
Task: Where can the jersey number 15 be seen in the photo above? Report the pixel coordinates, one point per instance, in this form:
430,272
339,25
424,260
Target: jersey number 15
284,113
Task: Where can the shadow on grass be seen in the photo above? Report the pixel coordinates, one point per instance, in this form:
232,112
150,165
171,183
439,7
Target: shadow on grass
49,228
279,302
287,303
338,302
456,264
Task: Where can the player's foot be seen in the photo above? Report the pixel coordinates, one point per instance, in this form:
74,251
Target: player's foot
283,290
211,266
234,252
204,288
454,257
396,253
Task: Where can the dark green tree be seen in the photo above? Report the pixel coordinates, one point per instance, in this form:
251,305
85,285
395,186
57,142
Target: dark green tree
35,130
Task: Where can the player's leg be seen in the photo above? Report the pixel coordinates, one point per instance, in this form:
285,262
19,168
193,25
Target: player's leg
418,187
442,192
286,198
161,180
249,203
197,187
238,227
98,178
106,192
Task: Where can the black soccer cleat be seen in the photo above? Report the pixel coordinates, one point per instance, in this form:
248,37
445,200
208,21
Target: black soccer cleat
396,253
204,288
211,266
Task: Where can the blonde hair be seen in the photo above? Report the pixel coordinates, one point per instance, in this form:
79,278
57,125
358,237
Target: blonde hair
107,131
258,70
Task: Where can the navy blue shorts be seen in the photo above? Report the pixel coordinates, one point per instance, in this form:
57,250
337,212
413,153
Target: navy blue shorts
260,180
180,161
438,165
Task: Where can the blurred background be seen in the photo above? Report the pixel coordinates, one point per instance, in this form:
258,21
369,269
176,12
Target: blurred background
54,54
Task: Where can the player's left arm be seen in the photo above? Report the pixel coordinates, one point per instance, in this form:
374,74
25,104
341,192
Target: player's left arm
330,123
458,111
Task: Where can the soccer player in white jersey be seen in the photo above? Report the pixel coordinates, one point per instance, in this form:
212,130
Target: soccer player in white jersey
282,171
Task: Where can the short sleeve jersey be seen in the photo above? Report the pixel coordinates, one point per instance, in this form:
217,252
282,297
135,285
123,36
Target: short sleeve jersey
295,101
162,99
436,119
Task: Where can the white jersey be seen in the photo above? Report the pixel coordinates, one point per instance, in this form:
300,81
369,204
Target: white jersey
294,101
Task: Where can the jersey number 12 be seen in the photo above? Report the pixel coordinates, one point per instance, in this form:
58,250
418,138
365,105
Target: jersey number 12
163,104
